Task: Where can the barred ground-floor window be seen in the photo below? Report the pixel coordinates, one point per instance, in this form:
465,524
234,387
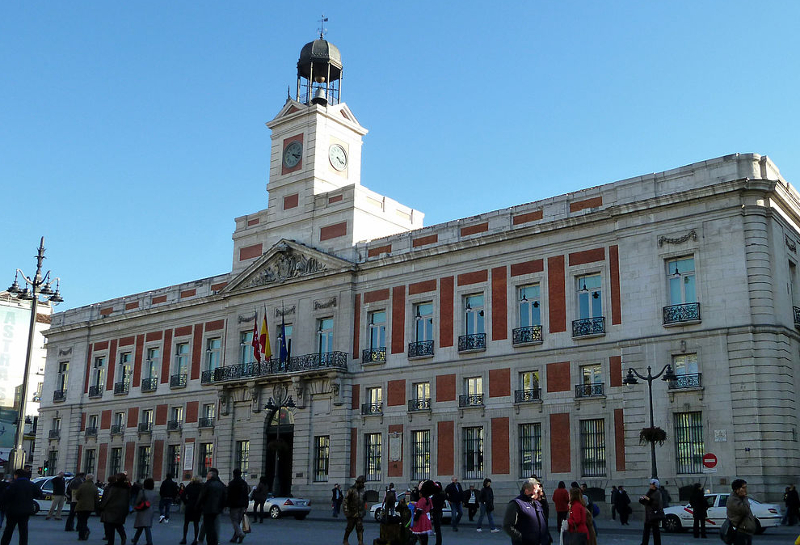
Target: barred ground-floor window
143,463
473,453
243,456
89,461
206,458
420,455
322,452
174,461
593,448
689,446
115,461
372,456
530,450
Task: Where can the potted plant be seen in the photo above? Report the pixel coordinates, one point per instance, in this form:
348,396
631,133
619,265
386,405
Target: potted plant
652,435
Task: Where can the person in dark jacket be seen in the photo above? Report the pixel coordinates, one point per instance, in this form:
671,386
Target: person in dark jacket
191,495
87,498
697,500
524,519
18,504
115,507
486,500
336,500
259,497
59,493
143,522
212,501
7,481
238,499
739,512
653,513
472,501
623,505
438,503
73,485
792,505
168,493
455,495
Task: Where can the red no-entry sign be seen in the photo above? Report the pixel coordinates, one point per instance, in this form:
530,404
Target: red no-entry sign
709,460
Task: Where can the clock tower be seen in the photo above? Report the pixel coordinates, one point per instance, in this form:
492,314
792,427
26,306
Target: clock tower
315,192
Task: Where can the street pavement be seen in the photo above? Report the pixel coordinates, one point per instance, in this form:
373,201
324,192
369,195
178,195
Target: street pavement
320,528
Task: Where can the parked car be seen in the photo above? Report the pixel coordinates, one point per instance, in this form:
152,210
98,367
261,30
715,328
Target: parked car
376,511
45,484
681,517
277,507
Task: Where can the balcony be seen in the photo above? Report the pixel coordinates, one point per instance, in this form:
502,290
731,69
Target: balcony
594,389
687,313
373,355
415,405
474,342
117,429
470,400
177,381
295,364
684,382
420,349
145,427
59,395
368,409
205,422
149,384
54,434
122,388
91,432
796,311
526,335
531,395
174,425
95,391
589,327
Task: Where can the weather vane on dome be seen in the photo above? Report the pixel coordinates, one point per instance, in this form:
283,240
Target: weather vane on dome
322,29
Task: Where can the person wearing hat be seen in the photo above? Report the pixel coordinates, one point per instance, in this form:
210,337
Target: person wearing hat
739,513
653,513
355,510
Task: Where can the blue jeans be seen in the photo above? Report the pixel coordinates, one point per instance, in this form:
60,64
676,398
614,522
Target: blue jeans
163,507
455,515
488,515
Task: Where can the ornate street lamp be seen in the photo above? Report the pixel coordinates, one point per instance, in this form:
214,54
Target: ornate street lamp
653,434
40,286
276,404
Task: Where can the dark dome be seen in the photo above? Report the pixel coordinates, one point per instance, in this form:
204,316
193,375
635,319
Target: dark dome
320,53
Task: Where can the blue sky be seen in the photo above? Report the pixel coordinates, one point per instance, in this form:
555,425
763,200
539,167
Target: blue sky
132,133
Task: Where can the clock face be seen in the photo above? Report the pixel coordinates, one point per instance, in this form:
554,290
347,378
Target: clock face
292,154
338,157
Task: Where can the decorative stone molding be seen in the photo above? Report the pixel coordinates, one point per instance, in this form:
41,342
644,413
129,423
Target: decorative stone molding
255,397
286,264
327,303
791,244
336,389
247,318
678,240
65,351
281,312
224,399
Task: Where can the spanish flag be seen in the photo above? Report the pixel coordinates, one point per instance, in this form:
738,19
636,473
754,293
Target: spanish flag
264,338
256,344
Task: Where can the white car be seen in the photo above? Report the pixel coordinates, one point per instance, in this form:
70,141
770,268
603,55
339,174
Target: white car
298,508
376,512
45,484
681,517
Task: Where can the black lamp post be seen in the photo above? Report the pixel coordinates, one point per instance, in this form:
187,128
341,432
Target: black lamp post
630,379
281,400
40,286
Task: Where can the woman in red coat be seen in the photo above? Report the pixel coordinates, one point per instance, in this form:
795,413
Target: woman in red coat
561,502
579,532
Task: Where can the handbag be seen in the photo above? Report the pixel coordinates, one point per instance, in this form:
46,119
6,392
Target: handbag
246,524
727,532
142,505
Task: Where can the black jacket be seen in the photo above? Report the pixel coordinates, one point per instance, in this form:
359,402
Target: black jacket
454,493
698,502
17,500
59,486
169,489
238,493
213,497
191,495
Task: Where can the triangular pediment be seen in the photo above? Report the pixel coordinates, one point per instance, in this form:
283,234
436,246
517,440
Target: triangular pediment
287,261
290,107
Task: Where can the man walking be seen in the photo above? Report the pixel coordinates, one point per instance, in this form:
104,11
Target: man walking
614,493
455,495
623,505
524,519
59,491
336,499
738,511
699,510
18,505
87,498
238,493
168,493
355,510
73,485
212,499
653,513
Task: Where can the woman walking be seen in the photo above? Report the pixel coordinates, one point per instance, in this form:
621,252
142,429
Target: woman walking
259,497
421,527
115,506
487,505
143,505
193,512
578,530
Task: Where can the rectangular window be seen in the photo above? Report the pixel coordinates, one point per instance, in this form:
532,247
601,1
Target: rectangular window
685,364
372,456
473,314
322,452
147,416
473,453
98,368
680,276
213,347
473,386
125,367
689,445
420,455
153,363
377,330
423,322
174,461
593,448
176,414
52,460
375,396
89,461
530,313
115,461
143,463
590,296
63,375
530,450
243,457
181,358
246,355
591,374
422,390
529,381
206,458
325,335
208,410
92,423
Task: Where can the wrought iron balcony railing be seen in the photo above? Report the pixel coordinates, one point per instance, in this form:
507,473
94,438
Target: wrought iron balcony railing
122,387
373,355
295,364
150,384
474,341
371,408
686,381
420,349
676,314
589,327
527,395
174,425
59,395
526,335
470,400
54,434
117,429
91,432
177,381
205,422
796,311
145,427
95,391
594,389
419,405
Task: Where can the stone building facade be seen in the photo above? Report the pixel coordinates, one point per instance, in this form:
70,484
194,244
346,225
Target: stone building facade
489,346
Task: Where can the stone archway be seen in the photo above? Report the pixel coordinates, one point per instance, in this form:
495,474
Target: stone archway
279,440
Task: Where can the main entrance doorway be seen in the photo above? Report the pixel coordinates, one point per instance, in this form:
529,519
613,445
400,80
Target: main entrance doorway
279,439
